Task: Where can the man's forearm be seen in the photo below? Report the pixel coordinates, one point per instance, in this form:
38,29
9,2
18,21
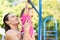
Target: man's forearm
27,35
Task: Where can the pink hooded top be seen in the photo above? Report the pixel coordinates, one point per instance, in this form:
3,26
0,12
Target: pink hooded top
23,19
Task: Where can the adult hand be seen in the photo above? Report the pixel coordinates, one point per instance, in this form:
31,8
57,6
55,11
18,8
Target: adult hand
27,25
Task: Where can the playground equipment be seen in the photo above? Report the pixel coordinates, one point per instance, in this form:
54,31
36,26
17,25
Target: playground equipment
50,31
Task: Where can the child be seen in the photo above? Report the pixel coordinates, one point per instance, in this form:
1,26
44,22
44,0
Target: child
27,13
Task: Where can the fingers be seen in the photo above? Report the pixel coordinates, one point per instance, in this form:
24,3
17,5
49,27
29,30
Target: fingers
28,21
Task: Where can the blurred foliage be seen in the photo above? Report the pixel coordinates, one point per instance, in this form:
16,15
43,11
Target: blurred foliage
0,36
49,8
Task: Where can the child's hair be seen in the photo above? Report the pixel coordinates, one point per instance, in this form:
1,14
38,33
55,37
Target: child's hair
23,11
7,27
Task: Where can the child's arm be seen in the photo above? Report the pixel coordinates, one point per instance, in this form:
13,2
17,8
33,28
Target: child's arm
26,7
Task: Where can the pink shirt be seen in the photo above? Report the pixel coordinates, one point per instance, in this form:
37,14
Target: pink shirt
23,19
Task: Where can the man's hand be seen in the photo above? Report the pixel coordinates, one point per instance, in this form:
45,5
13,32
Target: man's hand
27,25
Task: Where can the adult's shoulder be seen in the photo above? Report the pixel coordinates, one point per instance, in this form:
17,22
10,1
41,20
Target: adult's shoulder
11,35
10,32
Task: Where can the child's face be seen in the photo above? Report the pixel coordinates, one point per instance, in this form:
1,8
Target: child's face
31,12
